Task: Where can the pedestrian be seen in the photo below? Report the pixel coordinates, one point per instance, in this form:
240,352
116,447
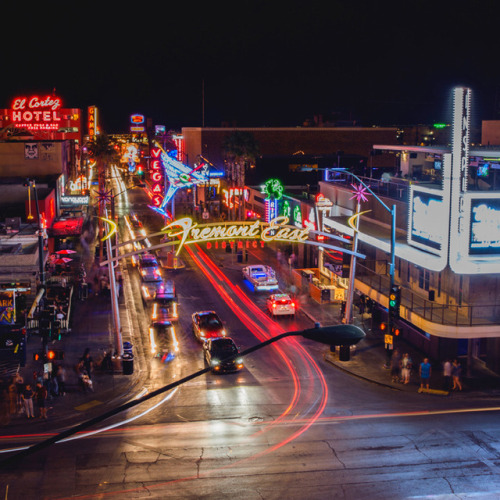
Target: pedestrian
395,365
456,373
425,372
447,369
12,392
88,362
61,379
20,388
28,401
406,368
41,397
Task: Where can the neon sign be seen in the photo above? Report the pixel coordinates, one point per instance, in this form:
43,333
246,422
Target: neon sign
156,177
49,103
276,230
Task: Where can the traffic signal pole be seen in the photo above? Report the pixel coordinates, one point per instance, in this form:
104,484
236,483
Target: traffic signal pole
392,265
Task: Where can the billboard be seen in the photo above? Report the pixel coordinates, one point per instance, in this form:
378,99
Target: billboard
428,220
484,236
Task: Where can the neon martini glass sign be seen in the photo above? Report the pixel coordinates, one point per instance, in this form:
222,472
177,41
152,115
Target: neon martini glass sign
179,176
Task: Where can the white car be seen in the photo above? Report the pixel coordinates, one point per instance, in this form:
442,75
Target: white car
149,268
261,277
281,304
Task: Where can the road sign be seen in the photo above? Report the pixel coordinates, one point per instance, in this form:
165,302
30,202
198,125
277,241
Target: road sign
388,339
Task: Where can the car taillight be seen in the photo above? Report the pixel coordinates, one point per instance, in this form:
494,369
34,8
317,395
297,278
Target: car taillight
274,305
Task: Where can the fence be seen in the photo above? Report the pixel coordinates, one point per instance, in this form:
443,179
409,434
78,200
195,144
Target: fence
445,314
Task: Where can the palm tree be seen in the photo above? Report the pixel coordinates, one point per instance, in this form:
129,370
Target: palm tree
101,149
240,151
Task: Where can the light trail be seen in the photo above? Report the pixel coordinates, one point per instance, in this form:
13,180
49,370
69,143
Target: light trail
274,327
82,435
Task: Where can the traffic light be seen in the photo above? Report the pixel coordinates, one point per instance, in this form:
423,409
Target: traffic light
394,302
50,355
395,331
55,354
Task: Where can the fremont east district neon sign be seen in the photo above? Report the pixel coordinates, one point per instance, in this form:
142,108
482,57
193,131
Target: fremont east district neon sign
276,230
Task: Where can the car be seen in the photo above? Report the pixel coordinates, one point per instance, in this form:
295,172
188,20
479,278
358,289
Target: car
163,341
164,308
281,304
218,349
262,277
150,289
207,324
149,268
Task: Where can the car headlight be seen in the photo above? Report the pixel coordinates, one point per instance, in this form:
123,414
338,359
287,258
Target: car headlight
239,361
223,333
214,362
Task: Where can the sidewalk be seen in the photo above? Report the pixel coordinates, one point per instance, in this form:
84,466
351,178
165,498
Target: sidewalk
91,327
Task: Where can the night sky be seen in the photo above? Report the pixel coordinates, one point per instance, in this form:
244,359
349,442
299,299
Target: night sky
257,63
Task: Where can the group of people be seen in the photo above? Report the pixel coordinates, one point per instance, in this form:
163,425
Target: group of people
26,397
401,369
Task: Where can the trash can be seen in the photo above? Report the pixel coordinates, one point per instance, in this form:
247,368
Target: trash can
344,353
128,363
127,347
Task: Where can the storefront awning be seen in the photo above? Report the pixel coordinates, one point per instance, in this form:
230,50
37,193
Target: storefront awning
67,227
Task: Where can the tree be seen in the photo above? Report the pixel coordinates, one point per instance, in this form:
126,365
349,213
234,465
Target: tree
240,151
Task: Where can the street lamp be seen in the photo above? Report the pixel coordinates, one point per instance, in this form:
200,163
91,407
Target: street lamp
392,211
335,335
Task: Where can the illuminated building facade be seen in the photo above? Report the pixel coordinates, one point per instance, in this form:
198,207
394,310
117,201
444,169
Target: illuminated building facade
447,242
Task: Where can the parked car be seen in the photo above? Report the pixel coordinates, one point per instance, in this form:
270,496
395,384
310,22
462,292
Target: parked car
281,304
207,324
217,350
262,277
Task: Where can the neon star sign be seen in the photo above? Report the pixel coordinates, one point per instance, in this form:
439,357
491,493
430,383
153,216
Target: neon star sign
360,193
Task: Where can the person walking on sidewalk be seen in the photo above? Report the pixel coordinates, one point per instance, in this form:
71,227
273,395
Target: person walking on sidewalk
447,369
406,368
456,373
425,372
28,401
395,365
41,396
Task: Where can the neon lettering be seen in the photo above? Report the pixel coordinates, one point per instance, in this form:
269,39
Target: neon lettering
277,229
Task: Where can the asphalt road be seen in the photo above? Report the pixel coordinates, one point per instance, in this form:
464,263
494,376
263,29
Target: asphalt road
288,426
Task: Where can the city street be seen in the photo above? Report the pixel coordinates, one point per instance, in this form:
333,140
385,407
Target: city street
289,425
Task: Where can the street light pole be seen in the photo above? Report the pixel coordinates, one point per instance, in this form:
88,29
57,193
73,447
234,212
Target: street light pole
392,265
